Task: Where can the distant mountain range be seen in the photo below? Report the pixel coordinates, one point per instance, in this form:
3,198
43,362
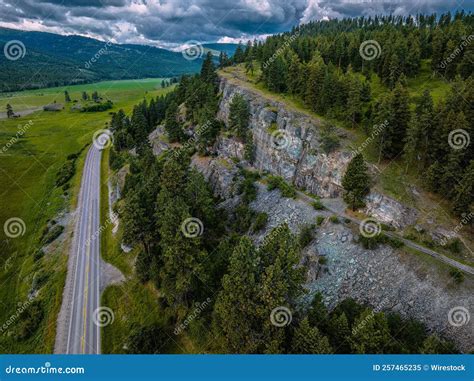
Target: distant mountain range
39,59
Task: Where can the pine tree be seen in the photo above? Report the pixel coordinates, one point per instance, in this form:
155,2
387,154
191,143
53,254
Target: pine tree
172,127
235,313
208,70
417,140
85,97
356,183
10,112
354,104
315,83
280,244
295,75
393,135
339,333
238,54
433,345
370,334
308,340
464,194
67,98
239,116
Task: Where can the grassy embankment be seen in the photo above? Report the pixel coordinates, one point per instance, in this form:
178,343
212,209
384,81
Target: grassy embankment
28,169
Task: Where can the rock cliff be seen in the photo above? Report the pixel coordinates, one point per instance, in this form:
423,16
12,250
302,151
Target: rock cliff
289,143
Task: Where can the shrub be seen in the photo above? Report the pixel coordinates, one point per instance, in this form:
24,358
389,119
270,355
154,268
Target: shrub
243,218
65,173
260,222
306,235
454,246
248,189
334,219
98,107
319,220
370,243
322,260
329,139
148,340
52,234
317,205
277,182
29,320
38,254
394,242
457,275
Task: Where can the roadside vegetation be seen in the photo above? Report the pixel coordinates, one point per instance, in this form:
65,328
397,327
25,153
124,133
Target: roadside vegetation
42,170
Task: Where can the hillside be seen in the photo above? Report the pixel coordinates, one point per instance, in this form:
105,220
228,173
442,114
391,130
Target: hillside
55,60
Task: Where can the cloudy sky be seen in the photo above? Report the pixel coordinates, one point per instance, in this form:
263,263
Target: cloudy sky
170,23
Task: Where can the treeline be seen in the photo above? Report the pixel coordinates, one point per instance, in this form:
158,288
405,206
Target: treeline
322,63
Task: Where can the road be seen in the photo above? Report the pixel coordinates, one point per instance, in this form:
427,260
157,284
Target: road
83,334
465,268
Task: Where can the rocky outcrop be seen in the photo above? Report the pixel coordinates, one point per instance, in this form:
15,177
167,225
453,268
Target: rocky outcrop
289,143
156,138
389,211
219,172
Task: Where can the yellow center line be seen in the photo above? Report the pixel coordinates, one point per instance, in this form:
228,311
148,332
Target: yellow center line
86,290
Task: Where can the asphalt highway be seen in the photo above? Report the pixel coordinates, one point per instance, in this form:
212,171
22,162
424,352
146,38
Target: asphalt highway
83,332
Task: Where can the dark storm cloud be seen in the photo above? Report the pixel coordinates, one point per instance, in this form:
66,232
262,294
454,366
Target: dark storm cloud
167,22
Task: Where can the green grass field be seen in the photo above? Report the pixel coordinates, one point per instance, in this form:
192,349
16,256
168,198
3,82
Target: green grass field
28,166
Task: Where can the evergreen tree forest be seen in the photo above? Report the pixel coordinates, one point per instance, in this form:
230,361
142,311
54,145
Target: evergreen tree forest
190,250
331,67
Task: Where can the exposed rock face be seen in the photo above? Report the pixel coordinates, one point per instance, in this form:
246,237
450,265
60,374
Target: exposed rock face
220,174
288,143
156,140
387,210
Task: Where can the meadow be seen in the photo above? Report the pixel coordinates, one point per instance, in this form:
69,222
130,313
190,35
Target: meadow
32,150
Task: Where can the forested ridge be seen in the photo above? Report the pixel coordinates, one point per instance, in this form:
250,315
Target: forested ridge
199,258
333,67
